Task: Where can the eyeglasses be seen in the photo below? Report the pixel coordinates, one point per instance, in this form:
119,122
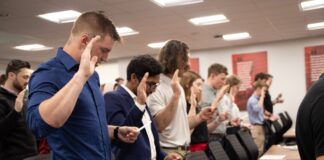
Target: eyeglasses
152,85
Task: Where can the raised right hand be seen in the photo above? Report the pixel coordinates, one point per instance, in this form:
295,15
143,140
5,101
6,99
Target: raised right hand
141,90
193,98
88,63
175,83
20,101
219,96
264,89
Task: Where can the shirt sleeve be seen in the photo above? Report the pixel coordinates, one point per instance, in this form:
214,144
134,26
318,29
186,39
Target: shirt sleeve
235,111
255,106
156,102
7,119
40,89
317,122
205,99
120,113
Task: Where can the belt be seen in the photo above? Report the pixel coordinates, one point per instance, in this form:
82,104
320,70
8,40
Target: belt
257,124
183,148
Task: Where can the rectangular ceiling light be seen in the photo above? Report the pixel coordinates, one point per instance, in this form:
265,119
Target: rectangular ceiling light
126,31
313,4
61,17
157,45
236,36
314,26
209,20
170,3
33,47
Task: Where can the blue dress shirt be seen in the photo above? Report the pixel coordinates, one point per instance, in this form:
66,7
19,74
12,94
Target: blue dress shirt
84,135
254,110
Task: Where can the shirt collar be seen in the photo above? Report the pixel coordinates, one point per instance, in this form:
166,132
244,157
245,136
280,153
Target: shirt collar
210,89
66,59
129,91
255,96
164,78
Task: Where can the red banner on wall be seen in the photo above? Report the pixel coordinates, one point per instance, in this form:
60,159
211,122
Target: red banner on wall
246,66
314,63
194,64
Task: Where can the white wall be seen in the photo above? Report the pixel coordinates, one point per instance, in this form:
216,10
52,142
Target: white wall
108,72
4,63
285,62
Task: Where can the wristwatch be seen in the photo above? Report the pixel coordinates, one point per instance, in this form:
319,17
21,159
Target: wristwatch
116,133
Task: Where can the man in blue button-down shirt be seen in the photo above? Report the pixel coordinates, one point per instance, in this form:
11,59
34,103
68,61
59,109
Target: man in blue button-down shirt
255,110
65,102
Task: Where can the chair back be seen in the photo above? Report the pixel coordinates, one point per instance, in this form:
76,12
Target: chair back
234,149
247,142
217,151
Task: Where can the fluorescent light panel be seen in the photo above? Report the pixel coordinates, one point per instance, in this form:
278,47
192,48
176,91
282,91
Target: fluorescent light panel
33,47
157,45
61,16
126,31
313,4
314,26
170,3
236,36
209,20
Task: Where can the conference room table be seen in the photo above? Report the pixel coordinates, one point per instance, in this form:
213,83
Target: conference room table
291,133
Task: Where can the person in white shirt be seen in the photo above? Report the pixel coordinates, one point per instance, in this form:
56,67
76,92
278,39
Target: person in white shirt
228,104
168,103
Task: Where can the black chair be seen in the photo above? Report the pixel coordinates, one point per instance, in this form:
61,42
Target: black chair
234,149
217,151
289,141
285,122
270,134
232,129
247,142
289,119
198,155
279,131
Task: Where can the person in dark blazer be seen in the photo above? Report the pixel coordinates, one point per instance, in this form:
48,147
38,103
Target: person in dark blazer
127,105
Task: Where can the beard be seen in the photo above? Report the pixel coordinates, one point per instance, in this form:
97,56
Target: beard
18,86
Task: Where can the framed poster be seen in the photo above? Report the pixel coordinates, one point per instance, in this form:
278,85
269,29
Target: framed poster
194,64
314,63
246,66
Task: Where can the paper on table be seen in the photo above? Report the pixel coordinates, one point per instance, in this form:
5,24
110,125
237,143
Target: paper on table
273,157
294,147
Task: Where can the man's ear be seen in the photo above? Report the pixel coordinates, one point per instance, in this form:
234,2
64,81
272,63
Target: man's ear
84,40
133,77
11,75
212,75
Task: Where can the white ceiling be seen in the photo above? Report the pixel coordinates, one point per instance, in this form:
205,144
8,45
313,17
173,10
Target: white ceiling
265,20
